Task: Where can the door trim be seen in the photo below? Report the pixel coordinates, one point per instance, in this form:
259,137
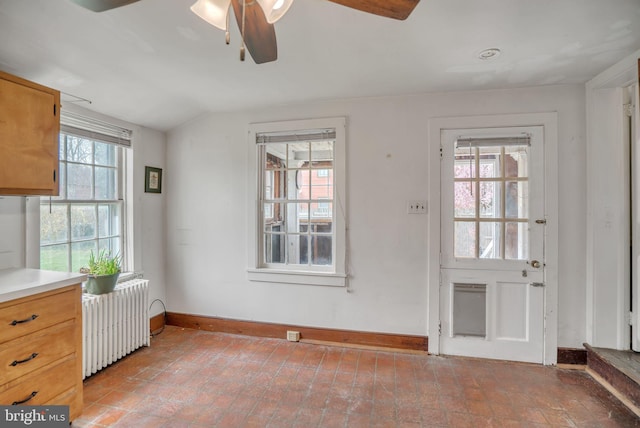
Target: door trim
550,123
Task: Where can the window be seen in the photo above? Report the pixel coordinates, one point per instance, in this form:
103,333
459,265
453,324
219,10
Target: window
88,214
299,219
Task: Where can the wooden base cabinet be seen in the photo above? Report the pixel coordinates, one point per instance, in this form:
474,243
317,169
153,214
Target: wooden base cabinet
41,350
29,133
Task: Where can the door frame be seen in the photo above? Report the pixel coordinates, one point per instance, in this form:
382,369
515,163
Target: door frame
549,121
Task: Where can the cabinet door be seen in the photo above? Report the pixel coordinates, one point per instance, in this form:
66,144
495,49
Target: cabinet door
29,128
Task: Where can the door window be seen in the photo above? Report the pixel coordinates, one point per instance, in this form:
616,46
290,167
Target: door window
491,199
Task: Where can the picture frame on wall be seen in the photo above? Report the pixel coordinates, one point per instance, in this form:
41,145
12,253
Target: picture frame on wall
152,179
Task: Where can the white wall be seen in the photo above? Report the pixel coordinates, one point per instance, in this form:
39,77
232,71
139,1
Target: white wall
387,158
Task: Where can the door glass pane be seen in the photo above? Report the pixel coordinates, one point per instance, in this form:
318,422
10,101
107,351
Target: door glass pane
490,234
516,161
489,162
465,164
516,245
516,199
464,200
490,193
465,239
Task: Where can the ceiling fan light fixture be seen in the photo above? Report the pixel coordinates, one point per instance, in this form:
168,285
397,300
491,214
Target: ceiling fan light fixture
274,9
215,12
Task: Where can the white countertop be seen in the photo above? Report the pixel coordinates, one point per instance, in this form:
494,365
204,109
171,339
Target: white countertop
17,282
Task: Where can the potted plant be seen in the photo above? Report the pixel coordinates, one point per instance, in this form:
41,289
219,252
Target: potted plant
102,273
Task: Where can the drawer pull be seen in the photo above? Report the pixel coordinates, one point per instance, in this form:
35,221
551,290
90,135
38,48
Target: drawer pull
31,318
33,394
31,357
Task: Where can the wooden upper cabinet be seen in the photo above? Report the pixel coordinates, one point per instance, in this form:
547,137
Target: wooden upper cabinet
29,133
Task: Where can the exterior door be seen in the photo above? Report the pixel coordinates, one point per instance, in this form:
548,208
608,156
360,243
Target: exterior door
492,269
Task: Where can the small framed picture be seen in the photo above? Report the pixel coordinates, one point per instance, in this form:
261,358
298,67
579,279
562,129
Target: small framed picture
152,179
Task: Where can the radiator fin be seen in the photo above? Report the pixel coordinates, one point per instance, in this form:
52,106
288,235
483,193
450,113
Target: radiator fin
114,324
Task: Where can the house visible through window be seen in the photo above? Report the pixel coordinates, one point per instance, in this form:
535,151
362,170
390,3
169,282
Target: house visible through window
300,215
88,214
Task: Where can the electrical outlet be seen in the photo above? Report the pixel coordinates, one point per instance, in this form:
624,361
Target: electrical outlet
417,207
293,336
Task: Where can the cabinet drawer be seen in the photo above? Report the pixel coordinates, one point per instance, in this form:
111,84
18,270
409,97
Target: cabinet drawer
26,354
43,385
32,315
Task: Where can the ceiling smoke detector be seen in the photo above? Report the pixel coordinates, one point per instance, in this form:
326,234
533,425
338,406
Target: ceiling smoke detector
489,54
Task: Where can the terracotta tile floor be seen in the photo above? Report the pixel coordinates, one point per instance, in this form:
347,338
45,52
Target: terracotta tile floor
190,378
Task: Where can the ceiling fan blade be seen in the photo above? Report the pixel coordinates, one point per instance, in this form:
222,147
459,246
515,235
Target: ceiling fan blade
102,5
259,35
396,9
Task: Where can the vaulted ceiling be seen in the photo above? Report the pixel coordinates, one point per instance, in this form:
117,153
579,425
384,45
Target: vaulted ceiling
157,64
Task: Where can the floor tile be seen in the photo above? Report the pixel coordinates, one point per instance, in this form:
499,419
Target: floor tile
196,379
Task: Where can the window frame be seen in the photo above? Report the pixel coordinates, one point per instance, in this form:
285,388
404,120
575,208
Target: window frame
334,275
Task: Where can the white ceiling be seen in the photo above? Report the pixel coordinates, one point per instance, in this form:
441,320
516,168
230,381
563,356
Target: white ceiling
155,63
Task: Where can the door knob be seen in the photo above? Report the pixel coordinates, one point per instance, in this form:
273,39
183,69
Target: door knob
535,264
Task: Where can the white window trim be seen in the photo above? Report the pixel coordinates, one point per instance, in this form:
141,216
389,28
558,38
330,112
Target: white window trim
255,272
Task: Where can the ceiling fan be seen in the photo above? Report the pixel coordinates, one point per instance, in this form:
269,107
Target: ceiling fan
256,18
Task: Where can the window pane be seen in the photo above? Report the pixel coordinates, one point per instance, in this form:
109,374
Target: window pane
321,250
53,226
55,257
273,214
275,155
304,248
105,154
490,199
80,181
322,186
80,253
321,210
465,202
111,246
465,239
516,245
79,150
108,220
298,155
321,153
302,185
62,148
62,182
490,240
105,183
517,199
303,212
274,251
83,222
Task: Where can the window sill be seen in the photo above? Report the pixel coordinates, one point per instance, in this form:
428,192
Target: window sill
303,278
